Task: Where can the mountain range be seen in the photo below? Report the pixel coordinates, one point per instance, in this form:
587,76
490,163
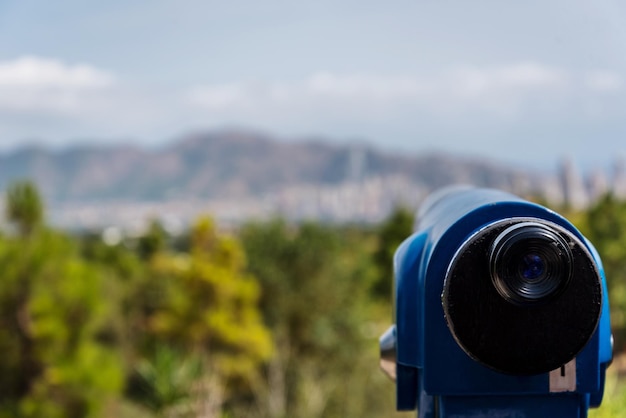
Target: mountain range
234,175
231,164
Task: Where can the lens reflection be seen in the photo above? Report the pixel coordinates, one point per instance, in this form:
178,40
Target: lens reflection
530,263
532,267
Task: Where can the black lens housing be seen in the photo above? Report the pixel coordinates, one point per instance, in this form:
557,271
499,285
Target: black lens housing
530,263
517,317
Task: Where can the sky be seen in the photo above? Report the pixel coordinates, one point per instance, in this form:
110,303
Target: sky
525,82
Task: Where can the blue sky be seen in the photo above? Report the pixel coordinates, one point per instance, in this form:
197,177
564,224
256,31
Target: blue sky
525,83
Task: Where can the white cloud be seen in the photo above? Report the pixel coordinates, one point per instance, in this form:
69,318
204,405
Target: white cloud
30,71
530,74
222,96
520,78
504,90
49,98
457,101
364,87
34,84
471,108
604,81
320,88
56,102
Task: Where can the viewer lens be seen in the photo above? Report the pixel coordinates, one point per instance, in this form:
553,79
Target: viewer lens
532,266
530,263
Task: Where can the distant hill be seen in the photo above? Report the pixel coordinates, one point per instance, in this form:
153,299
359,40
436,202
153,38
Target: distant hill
235,164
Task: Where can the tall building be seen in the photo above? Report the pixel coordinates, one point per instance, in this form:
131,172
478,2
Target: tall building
357,163
574,191
599,185
619,178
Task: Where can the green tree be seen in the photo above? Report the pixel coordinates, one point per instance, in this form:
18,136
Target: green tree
52,312
396,228
153,241
315,282
204,305
24,206
164,383
605,226
68,312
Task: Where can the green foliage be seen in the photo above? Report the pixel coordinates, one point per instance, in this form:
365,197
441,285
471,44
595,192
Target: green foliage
153,241
165,382
315,282
24,206
278,320
211,302
605,226
614,402
52,313
201,305
395,229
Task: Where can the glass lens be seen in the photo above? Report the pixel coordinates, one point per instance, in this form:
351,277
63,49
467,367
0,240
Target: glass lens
530,263
531,266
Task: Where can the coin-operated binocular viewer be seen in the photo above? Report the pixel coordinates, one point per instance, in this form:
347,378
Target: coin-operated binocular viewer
501,311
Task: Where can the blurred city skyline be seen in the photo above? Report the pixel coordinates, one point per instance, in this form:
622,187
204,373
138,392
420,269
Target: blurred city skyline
521,83
237,176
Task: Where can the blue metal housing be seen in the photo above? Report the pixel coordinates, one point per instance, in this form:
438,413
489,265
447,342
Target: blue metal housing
434,374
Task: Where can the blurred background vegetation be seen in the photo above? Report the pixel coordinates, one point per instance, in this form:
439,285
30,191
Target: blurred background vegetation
271,319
